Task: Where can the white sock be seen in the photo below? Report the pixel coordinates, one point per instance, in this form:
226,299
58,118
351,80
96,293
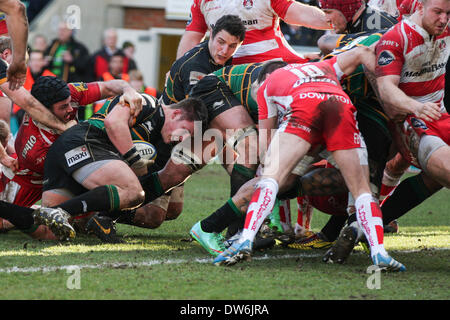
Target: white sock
370,219
259,208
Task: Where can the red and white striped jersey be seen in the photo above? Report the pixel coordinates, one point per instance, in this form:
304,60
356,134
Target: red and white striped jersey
409,51
263,39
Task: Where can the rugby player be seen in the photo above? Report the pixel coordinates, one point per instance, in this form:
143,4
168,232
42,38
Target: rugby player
263,40
95,166
284,94
410,81
34,139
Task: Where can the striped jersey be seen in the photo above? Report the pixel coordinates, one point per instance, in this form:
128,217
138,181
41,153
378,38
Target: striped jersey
419,59
239,79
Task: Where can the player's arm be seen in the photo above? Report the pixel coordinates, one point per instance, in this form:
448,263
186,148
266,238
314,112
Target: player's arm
128,94
17,22
307,16
398,104
189,40
34,108
350,60
117,125
195,30
328,42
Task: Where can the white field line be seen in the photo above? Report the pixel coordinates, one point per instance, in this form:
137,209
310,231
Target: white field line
124,265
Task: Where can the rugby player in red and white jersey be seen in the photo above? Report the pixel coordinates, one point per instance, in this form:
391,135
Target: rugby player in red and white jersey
311,109
263,39
411,64
34,139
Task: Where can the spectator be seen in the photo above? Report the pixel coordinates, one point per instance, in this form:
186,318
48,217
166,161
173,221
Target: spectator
128,49
115,68
137,83
40,43
100,59
68,59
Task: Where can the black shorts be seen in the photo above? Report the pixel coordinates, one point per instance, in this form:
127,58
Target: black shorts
215,94
78,146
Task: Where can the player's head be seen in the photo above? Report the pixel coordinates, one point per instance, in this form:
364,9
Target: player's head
226,37
434,15
340,12
116,64
54,94
5,133
266,69
180,119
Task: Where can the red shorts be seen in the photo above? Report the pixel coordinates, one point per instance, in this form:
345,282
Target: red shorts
323,119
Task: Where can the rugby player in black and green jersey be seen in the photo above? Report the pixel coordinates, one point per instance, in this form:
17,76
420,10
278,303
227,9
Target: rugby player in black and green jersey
226,37
94,165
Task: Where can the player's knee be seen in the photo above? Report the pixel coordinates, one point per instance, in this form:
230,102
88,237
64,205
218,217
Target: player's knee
149,216
174,210
133,196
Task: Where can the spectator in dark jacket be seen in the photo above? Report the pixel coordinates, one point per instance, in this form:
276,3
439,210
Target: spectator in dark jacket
67,58
100,59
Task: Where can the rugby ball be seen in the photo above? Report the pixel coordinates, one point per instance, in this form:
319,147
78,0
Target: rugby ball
145,149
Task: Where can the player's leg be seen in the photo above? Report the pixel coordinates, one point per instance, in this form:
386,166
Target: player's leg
275,172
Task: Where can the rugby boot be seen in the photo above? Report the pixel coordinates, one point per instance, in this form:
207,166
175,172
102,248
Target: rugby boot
104,228
57,220
387,263
274,218
343,246
238,251
259,244
211,241
315,241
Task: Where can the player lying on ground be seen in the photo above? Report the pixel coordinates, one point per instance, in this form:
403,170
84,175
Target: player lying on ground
24,185
95,166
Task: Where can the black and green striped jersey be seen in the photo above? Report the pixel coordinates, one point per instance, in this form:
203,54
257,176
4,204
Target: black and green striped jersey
187,71
149,121
239,79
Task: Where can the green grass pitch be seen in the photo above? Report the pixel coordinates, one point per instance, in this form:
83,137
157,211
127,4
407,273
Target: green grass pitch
162,264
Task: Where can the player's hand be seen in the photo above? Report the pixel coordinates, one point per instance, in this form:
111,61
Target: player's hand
140,168
17,72
132,99
428,111
10,163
